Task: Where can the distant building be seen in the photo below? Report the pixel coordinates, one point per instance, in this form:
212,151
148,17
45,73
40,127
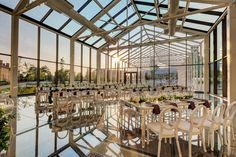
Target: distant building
4,71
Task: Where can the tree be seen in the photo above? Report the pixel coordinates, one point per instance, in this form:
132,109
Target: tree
45,74
63,75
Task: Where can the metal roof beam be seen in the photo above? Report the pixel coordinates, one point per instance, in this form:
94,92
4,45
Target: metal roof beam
97,17
66,8
24,6
151,43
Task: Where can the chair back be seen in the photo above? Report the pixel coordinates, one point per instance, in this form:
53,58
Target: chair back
170,118
218,113
230,111
198,116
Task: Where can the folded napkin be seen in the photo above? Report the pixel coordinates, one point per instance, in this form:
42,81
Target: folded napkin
156,107
191,105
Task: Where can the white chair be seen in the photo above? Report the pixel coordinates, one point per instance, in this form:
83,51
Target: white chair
165,127
227,123
213,124
194,126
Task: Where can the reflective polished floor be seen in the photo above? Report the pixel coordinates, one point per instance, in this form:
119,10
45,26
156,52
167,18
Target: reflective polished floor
36,137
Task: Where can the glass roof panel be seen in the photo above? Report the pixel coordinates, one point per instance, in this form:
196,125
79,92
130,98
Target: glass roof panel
203,17
197,5
109,26
104,3
117,7
90,10
197,26
99,23
92,39
9,3
77,4
38,12
163,10
148,17
113,34
56,20
145,8
133,19
71,28
85,33
100,43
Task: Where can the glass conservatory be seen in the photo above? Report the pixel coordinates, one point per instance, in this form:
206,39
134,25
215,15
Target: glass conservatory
117,78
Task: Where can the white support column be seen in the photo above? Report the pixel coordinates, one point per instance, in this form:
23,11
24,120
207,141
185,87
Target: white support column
231,55
72,62
106,67
110,70
14,55
98,67
206,65
14,80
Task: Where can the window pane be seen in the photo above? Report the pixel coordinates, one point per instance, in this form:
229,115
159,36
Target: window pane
5,33
27,40
219,78
64,50
9,3
93,58
219,41
85,74
48,45
212,78
103,62
90,10
93,75
77,53
63,74
71,28
38,12
56,20
86,51
47,73
27,76
4,74
211,47
77,74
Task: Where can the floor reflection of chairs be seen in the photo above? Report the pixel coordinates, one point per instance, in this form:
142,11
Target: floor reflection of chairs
132,118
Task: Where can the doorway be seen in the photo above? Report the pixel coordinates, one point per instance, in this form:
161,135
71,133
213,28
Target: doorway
131,78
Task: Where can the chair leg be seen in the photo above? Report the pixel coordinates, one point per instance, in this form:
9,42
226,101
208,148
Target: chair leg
159,147
225,135
232,128
190,146
203,140
221,140
229,137
212,140
178,146
148,136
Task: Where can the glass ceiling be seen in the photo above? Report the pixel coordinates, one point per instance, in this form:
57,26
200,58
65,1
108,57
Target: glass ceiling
121,13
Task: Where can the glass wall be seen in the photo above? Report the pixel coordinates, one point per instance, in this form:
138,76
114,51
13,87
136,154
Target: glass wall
48,58
43,58
218,60
5,50
27,58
